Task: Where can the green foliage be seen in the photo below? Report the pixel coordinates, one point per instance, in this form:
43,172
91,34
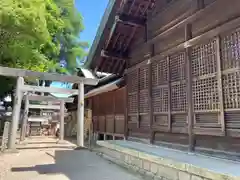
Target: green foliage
37,35
72,48
26,29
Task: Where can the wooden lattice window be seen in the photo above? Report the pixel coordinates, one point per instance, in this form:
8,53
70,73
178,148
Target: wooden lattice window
132,79
132,103
177,67
160,99
143,78
231,90
143,102
178,97
230,52
205,94
230,48
160,72
154,73
204,59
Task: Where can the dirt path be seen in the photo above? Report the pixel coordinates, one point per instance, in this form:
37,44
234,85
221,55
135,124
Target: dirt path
43,159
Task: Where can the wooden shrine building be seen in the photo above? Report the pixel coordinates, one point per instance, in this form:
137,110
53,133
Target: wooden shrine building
180,60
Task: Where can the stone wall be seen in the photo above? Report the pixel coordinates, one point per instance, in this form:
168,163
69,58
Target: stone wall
156,167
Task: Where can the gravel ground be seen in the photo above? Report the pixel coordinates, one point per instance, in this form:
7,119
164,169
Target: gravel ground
43,159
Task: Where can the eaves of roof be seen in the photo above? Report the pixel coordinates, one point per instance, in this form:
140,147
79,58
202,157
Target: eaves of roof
107,20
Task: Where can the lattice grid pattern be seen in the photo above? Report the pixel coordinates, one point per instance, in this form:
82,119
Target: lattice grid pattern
231,90
154,73
177,67
230,49
178,97
160,99
132,81
143,78
160,72
132,103
205,94
204,59
143,102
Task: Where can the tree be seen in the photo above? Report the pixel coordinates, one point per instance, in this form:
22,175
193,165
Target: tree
26,31
72,48
39,35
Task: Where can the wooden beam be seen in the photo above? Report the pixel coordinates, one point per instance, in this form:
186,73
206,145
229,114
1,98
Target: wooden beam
13,72
111,33
112,55
193,41
28,88
48,98
132,21
190,117
38,106
167,29
220,86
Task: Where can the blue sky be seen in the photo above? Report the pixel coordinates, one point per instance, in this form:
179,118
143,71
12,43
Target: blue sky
92,12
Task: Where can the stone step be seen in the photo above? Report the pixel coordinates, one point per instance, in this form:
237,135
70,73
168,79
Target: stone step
167,164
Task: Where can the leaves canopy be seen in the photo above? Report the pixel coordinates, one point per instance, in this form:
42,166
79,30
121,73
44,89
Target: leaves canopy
39,35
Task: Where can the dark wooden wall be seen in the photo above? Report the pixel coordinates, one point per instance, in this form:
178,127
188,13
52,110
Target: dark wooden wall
183,81
108,112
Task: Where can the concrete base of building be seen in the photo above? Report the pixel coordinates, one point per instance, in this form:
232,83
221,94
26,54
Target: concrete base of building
164,163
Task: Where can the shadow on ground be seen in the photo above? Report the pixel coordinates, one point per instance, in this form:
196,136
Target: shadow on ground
76,165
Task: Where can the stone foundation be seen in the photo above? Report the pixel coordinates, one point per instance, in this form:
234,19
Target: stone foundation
155,167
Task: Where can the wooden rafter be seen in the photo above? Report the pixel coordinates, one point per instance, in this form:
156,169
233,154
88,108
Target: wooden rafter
130,38
112,55
131,20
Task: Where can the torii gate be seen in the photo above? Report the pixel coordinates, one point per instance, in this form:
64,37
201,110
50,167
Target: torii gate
28,106
21,88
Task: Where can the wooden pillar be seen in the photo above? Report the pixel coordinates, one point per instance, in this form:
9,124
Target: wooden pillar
138,98
220,87
80,115
62,108
169,97
25,119
126,109
15,115
150,95
114,111
188,35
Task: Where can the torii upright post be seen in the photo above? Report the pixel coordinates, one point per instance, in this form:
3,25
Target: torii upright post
80,115
62,108
15,114
25,119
